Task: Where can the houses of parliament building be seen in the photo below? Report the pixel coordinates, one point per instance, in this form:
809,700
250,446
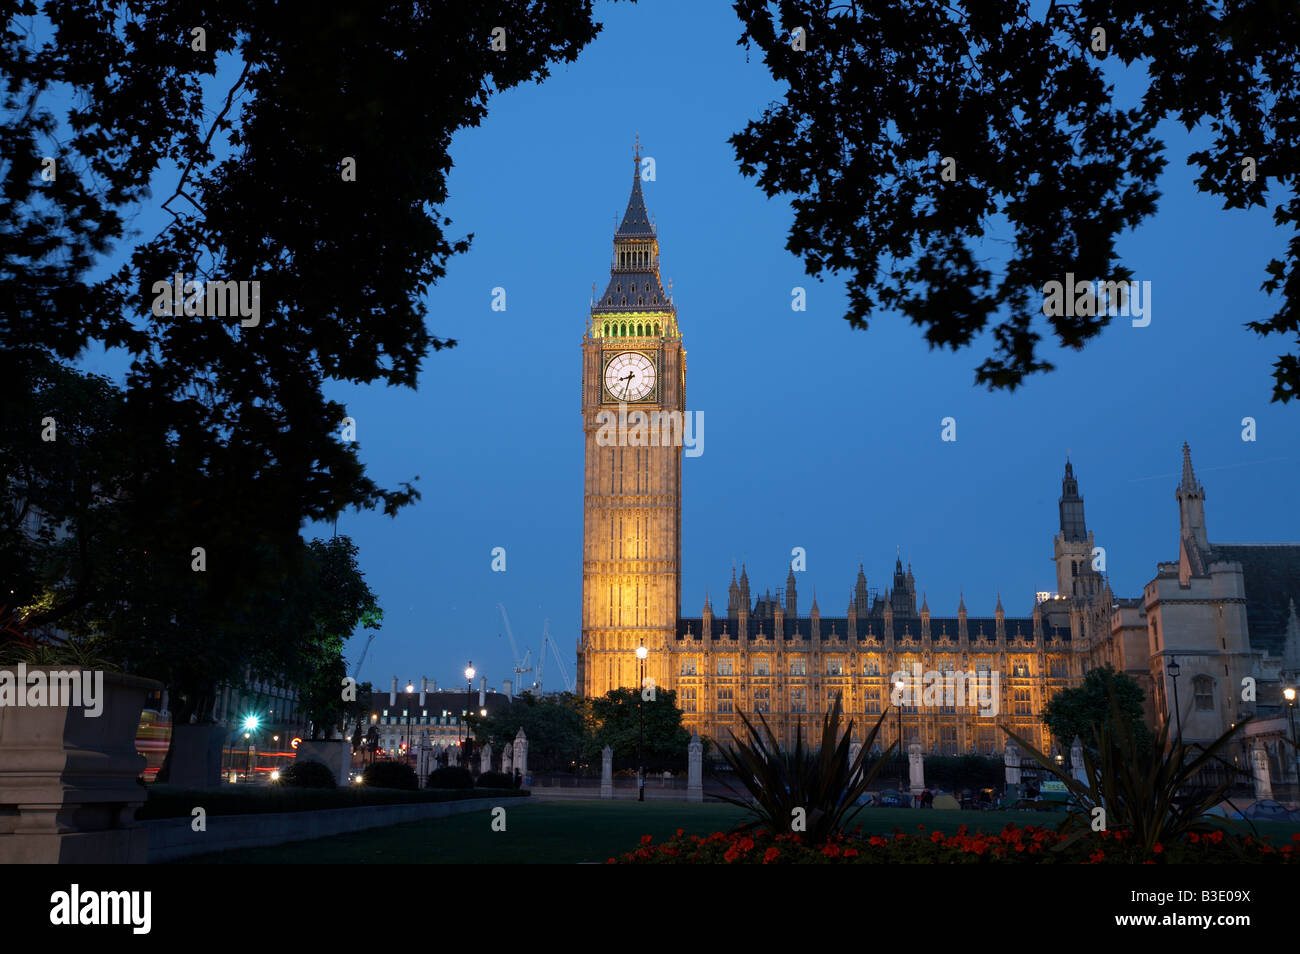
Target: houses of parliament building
1220,613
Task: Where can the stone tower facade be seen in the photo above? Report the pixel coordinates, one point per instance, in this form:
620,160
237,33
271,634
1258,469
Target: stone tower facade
633,374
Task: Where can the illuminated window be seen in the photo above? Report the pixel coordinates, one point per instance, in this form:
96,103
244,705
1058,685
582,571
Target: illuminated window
688,699
797,668
762,667
725,666
725,700
763,700
988,743
1022,704
948,739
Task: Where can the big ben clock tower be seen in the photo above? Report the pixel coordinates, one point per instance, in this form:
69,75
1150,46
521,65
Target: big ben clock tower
633,364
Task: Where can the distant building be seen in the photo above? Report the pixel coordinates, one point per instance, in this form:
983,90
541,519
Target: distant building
408,720
1225,615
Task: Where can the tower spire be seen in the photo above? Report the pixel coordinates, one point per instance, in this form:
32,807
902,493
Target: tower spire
1073,526
636,220
634,285
1191,505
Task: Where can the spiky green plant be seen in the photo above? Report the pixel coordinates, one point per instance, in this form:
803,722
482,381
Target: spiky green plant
1157,797
824,782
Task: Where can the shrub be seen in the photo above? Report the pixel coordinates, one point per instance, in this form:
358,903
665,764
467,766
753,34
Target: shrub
1156,798
307,774
496,780
390,774
452,776
824,783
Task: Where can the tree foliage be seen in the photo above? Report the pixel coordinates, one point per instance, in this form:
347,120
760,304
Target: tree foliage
1047,158
340,601
221,437
616,722
553,725
1077,711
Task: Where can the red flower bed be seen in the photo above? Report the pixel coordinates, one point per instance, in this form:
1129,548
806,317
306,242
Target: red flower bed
1012,845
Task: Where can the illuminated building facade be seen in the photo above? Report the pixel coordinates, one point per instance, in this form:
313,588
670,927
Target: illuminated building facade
761,656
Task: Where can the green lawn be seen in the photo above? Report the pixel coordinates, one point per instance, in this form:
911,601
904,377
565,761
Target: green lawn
570,832
564,832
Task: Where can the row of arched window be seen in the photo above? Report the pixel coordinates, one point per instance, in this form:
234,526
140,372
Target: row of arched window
634,258
631,329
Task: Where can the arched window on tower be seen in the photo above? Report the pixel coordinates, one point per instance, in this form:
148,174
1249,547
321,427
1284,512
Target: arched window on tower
1203,690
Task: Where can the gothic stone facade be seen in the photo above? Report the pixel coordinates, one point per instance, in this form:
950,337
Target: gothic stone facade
1223,608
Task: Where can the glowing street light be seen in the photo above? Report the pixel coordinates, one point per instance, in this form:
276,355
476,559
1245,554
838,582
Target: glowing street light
900,686
469,695
641,653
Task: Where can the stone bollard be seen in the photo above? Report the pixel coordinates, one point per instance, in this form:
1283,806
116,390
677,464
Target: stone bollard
520,761
1259,762
916,766
1011,761
607,772
695,770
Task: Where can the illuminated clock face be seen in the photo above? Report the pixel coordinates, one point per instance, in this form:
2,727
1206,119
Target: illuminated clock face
629,376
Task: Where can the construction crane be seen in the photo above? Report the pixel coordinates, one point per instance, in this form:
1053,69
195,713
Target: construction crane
541,657
356,670
521,665
547,641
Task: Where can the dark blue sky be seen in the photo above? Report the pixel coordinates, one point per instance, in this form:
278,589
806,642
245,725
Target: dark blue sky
815,435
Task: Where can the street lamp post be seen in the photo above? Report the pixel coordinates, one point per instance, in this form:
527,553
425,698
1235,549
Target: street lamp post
469,704
250,726
900,686
1289,693
1174,669
410,690
641,653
